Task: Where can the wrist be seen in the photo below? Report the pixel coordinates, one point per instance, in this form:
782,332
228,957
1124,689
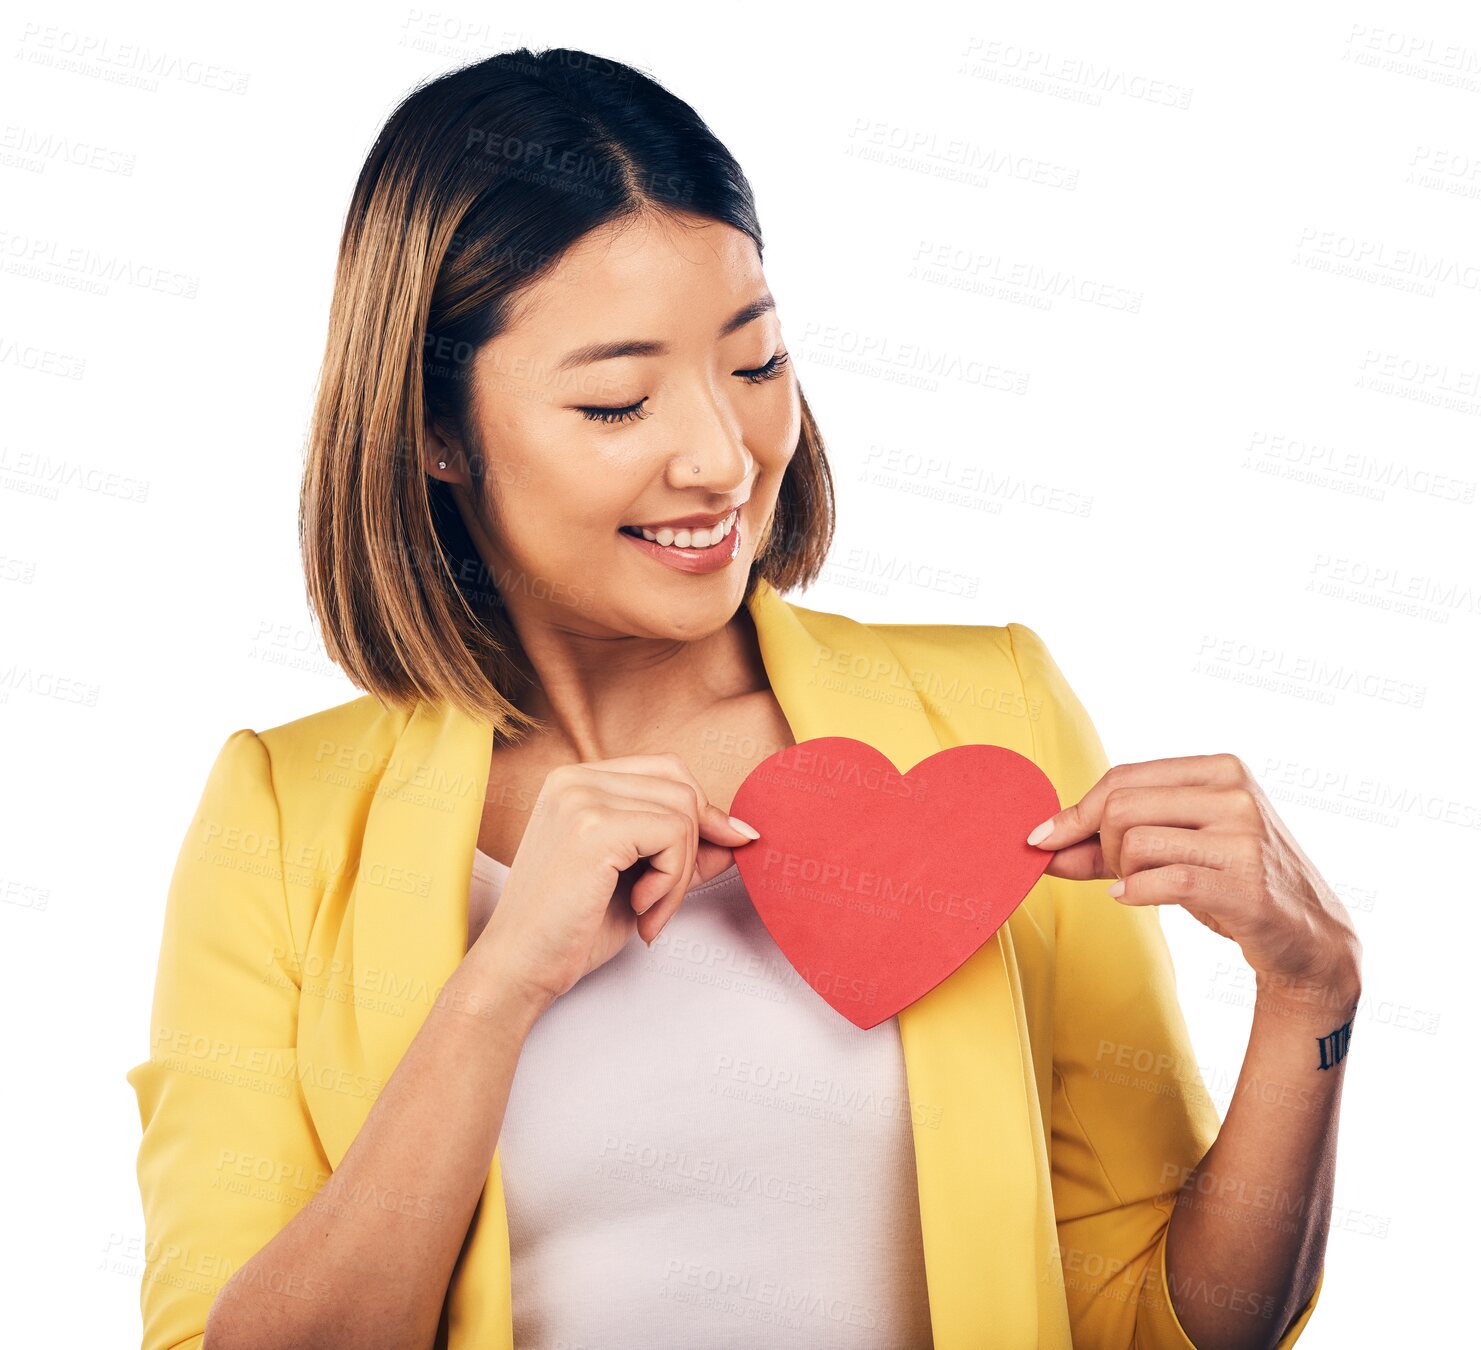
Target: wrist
1300,1004
514,997
1330,986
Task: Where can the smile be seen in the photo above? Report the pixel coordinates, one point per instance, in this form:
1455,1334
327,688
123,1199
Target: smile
691,538
690,550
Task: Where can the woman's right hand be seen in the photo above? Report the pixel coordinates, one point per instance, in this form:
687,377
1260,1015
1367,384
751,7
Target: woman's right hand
611,847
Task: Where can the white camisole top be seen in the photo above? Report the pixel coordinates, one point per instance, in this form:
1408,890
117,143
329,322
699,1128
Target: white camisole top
698,1151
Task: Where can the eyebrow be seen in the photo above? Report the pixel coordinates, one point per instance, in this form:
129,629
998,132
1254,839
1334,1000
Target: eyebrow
610,351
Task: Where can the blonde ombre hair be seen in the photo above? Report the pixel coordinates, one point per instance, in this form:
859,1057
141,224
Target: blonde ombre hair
477,184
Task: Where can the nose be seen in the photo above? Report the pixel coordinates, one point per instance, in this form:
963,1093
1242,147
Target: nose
714,458
722,475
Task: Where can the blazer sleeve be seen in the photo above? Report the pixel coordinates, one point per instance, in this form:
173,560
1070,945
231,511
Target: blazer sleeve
1131,1115
228,1153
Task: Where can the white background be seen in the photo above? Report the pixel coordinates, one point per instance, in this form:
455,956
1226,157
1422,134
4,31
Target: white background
1234,491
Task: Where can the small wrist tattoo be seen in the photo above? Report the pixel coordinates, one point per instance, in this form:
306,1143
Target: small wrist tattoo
1333,1046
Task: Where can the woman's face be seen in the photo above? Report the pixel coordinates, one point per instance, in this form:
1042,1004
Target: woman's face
642,384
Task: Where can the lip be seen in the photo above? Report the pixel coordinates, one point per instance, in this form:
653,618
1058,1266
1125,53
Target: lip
691,522
693,560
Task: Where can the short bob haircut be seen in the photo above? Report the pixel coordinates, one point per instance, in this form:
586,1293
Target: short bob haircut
476,185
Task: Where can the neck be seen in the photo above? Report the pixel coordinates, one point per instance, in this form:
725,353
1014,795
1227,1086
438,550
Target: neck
608,696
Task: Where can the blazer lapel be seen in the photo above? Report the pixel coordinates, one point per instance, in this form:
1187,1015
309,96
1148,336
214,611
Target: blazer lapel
404,932
978,1169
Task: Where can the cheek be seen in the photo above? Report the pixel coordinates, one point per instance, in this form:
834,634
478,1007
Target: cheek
772,427
558,486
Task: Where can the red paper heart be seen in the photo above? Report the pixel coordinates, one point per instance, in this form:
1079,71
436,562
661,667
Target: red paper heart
877,885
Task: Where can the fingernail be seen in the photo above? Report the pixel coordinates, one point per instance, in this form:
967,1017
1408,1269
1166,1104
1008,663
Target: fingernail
750,831
1117,889
1041,831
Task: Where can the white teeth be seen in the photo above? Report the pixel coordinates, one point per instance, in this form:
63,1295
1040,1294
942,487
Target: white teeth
692,538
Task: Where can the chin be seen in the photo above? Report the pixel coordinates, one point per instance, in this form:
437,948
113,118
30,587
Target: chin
704,611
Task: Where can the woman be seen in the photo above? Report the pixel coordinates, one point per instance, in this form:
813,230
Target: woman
560,473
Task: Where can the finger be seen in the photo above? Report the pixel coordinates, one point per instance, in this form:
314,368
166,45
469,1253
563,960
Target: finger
1079,862
1211,891
712,855
1145,847
1083,819
665,839
658,776
1196,808
646,877
710,859
654,919
651,923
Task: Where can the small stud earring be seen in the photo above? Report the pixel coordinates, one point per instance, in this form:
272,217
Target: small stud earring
442,464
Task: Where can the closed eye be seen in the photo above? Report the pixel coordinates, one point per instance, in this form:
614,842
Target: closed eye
769,371
610,415
634,411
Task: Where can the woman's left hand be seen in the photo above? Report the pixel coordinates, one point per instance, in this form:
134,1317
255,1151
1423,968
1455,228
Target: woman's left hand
1198,831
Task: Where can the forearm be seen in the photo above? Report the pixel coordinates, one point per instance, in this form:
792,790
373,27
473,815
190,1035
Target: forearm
1248,1235
381,1271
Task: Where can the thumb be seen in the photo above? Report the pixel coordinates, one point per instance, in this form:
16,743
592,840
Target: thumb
1079,862
723,829
1065,827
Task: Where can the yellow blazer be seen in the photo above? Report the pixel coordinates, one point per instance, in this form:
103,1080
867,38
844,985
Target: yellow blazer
320,901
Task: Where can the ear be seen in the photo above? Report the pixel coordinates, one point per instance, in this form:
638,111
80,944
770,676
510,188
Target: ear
444,455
